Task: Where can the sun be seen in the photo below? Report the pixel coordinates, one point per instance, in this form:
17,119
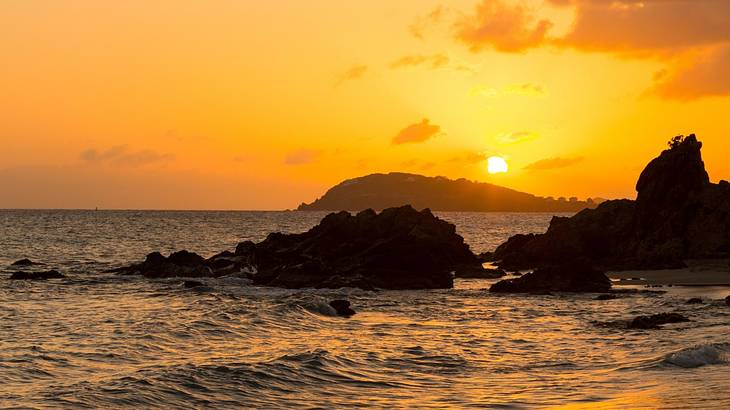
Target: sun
496,165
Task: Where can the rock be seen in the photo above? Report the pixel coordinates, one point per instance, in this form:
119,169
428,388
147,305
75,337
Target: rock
399,248
576,276
654,321
342,307
606,296
192,284
51,274
25,262
179,264
486,257
694,301
480,273
678,215
727,300
185,258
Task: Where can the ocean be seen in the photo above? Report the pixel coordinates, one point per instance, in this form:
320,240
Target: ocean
97,340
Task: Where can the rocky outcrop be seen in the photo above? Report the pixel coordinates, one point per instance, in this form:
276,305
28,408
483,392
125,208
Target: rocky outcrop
342,307
24,262
678,215
570,277
655,321
51,274
399,248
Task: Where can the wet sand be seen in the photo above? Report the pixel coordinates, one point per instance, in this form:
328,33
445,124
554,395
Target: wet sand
714,272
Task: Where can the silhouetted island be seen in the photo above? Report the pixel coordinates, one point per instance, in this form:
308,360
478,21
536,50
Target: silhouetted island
381,191
678,215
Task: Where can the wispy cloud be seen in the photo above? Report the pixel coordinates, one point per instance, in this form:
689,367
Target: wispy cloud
415,133
301,157
434,61
517,137
353,73
121,155
553,163
423,23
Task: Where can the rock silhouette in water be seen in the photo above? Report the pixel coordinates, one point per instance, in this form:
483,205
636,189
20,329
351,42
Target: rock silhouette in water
342,307
24,262
399,248
577,276
678,214
655,321
51,274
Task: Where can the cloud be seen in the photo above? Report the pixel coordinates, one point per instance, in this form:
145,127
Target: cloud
674,31
504,27
353,73
517,137
415,133
527,89
421,24
469,158
434,61
706,78
301,157
121,155
553,163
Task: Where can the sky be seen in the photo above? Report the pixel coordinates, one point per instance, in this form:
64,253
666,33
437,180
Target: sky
222,104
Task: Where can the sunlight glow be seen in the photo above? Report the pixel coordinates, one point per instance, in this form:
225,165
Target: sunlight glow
496,165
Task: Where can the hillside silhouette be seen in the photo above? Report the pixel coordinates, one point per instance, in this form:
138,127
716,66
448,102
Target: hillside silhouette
381,191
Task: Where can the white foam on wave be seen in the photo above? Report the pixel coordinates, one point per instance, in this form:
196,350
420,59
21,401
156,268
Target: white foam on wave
700,355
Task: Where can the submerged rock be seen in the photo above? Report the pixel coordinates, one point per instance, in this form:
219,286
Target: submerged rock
51,274
606,296
342,307
25,262
727,300
678,215
655,321
192,284
577,276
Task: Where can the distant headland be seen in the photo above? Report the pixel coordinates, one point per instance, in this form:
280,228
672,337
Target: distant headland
381,191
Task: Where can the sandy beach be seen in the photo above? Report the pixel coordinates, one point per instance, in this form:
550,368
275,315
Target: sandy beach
715,272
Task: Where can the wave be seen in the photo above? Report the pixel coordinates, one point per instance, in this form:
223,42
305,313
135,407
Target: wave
700,355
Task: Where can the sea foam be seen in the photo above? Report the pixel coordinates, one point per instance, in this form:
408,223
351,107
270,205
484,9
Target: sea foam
700,355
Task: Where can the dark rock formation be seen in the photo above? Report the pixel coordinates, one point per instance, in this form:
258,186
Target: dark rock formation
727,300
694,301
655,321
400,248
25,262
192,284
480,273
678,215
182,264
606,296
577,276
51,274
342,307
381,191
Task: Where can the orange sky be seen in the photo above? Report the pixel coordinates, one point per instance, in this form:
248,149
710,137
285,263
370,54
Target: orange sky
261,105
